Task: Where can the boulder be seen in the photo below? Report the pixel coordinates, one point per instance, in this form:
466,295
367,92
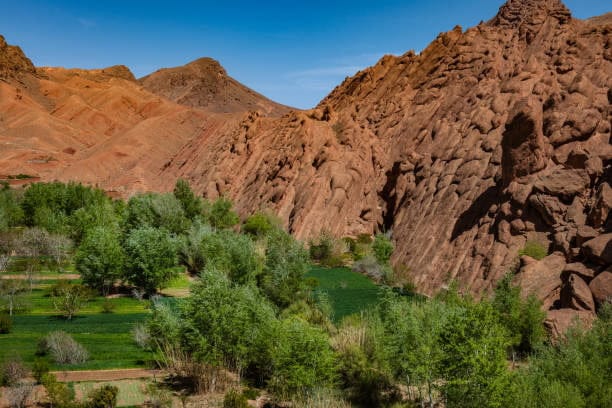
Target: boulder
600,212
559,321
601,287
564,183
585,233
542,278
576,294
577,268
599,249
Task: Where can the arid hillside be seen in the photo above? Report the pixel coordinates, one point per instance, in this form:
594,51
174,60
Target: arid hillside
205,84
491,137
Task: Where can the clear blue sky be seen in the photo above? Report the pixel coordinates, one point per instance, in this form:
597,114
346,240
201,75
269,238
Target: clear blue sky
293,52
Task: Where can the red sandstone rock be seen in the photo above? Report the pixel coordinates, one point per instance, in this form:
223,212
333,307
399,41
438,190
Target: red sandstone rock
559,321
601,287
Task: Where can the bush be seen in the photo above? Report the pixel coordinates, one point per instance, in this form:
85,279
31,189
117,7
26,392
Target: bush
260,224
6,323
59,394
370,267
382,248
103,397
13,371
534,249
222,215
234,399
302,360
39,369
18,394
63,348
141,336
323,247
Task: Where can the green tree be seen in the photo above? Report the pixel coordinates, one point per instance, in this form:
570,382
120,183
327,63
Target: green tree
100,259
69,298
92,216
522,318
222,215
285,266
157,211
151,254
218,314
260,224
474,363
382,248
192,205
302,359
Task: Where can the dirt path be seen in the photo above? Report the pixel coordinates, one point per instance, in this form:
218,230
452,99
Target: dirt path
107,375
60,276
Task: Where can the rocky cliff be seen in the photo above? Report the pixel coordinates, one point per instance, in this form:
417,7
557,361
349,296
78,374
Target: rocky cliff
489,138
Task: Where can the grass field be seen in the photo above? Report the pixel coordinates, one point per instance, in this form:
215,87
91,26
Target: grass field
349,292
106,336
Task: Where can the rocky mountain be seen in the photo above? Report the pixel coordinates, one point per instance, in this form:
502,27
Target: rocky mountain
204,83
490,138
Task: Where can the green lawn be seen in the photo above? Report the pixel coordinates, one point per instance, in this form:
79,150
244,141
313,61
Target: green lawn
349,292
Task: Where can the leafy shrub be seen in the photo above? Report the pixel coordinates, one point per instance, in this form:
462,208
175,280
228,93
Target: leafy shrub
222,215
321,398
39,369
6,323
286,264
103,397
322,248
13,371
382,248
58,393
534,249
63,348
260,224
234,399
302,360
192,205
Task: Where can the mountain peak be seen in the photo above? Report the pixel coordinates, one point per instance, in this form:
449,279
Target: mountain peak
13,61
518,13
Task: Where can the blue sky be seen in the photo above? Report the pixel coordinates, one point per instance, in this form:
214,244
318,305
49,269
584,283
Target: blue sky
293,52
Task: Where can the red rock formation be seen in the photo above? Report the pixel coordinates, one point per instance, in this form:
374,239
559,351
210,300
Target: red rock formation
488,138
204,83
